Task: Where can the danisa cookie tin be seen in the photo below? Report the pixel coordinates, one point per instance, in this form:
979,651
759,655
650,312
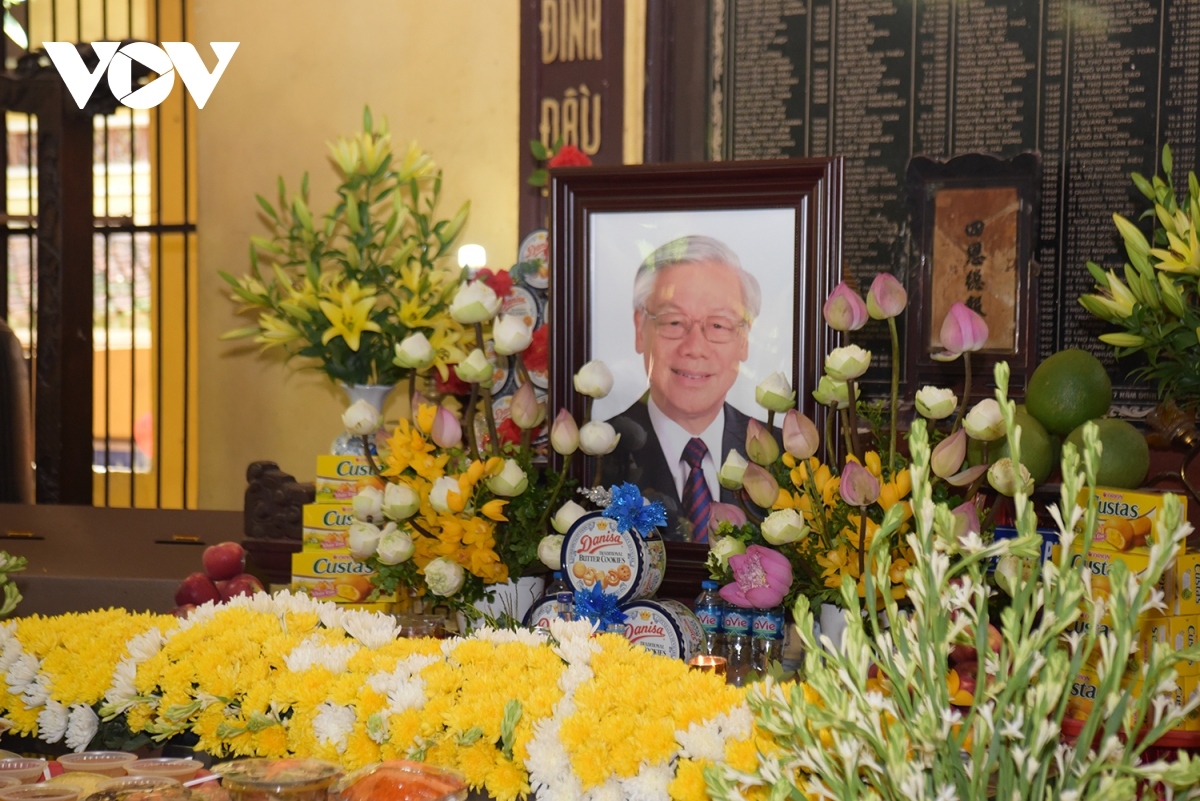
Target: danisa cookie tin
623,563
663,626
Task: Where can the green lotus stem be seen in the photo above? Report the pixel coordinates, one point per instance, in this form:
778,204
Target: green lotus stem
828,442
862,544
488,412
962,404
852,408
895,396
469,423
522,373
366,441
553,499
491,421
845,415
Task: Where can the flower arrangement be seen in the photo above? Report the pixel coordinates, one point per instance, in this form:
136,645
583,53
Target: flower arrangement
885,716
565,715
461,507
823,520
341,291
1155,306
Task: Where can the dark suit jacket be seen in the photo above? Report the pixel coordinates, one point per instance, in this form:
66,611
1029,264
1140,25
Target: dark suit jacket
639,459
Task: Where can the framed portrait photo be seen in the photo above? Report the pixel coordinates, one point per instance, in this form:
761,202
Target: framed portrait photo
693,283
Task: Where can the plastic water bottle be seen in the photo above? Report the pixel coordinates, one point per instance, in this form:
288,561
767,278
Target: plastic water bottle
710,610
566,605
736,623
557,584
766,626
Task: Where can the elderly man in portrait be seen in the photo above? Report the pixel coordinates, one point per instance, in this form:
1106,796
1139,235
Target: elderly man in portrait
693,305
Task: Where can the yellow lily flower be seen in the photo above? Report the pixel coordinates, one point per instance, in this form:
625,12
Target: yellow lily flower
276,331
410,278
445,340
351,318
874,464
424,417
413,313
1182,257
494,510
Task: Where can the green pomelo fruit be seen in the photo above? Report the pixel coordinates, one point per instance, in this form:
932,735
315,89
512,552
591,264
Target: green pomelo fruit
1068,389
1125,458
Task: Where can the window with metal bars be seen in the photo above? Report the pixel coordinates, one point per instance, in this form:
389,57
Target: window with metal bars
142,401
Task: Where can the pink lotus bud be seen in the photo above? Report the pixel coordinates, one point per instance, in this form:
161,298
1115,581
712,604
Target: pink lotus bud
564,434
962,331
800,436
844,309
949,454
761,446
446,431
966,519
725,513
526,412
760,485
858,487
886,298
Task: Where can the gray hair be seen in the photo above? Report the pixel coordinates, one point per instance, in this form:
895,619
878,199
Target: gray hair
692,250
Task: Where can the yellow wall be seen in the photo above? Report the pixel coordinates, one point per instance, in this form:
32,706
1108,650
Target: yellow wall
445,72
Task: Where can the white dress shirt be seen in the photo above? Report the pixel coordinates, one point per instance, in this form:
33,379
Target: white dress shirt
673,439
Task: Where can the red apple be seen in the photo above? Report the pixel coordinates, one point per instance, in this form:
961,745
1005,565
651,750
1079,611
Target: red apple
244,584
183,611
995,638
197,589
962,653
224,561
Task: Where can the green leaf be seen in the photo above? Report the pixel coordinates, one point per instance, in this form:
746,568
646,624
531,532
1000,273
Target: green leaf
267,207
470,736
1098,273
538,150
367,121
508,726
304,186
1143,185
1167,162
538,178
240,333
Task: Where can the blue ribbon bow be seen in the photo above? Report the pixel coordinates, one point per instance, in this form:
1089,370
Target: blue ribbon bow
598,606
630,510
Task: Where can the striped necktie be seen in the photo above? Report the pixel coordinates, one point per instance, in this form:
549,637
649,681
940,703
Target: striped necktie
697,500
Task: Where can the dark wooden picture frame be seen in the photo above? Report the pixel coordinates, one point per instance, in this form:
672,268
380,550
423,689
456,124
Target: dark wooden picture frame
926,179
810,188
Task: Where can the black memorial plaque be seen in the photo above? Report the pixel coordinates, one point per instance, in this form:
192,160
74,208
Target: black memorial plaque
1095,86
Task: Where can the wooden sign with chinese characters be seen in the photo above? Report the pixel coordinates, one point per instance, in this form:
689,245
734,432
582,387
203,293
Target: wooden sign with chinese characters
572,87
975,260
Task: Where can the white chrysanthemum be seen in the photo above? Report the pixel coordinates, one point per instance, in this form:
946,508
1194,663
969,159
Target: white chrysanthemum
313,652
739,722
650,783
37,692
22,672
701,741
146,645
501,636
333,724
81,727
330,615
609,791
372,629
122,691
201,614
406,695
52,721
